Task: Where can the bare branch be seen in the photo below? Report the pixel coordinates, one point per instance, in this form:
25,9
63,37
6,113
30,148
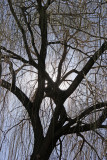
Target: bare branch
12,73
21,29
67,74
85,70
79,134
48,3
31,33
98,123
61,62
15,56
19,94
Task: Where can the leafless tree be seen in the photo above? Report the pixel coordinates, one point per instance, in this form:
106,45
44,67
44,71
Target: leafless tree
53,79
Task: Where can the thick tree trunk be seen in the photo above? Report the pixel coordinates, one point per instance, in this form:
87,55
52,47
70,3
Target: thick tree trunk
38,135
44,153
36,156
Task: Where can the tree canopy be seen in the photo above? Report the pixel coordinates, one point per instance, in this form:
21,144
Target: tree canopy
53,74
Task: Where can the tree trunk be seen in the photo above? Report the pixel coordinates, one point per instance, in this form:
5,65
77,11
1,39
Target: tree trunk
43,153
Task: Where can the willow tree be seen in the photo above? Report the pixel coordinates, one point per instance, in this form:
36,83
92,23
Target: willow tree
53,77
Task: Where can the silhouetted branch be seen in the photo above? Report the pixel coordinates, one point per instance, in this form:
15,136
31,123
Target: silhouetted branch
67,129
21,29
19,94
85,70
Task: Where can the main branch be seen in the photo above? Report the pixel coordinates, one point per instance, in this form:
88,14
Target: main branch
85,70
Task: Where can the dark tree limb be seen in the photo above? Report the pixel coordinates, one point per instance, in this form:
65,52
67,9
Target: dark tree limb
13,74
19,94
31,33
12,55
21,29
67,74
61,63
41,58
39,2
85,70
29,106
62,96
48,3
0,63
68,129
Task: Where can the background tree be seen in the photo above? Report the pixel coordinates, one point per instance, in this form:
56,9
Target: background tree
53,79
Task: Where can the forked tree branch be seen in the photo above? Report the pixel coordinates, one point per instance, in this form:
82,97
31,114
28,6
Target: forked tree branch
67,129
90,126
12,55
31,33
65,94
85,70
